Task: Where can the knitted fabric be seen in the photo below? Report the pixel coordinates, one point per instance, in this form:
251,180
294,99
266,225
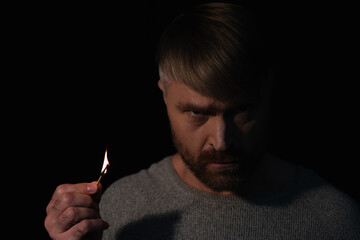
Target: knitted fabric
156,204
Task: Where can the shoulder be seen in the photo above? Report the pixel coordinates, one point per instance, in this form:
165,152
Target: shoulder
337,212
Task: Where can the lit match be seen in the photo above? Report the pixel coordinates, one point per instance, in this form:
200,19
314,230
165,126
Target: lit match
104,167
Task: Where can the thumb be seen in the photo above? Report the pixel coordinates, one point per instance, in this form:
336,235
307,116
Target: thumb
97,195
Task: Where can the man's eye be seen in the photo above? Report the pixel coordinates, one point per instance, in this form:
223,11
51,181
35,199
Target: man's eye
195,113
197,117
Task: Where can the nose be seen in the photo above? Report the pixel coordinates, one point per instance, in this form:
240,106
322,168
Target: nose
220,134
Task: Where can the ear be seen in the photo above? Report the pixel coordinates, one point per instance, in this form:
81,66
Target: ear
160,85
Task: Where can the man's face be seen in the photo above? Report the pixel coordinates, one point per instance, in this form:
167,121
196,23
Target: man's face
219,142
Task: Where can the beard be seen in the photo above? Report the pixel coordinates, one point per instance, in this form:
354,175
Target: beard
235,178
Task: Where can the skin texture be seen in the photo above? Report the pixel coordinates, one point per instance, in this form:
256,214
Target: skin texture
73,212
203,126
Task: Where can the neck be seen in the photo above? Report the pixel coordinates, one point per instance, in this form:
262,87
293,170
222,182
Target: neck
271,175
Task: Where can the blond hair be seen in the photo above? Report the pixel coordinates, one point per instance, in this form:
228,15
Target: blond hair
215,50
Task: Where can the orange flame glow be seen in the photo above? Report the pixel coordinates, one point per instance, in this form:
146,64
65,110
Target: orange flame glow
105,164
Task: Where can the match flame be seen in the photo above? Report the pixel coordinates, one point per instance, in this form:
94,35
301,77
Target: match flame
105,164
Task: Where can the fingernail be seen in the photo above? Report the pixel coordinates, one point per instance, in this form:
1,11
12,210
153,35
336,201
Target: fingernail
92,188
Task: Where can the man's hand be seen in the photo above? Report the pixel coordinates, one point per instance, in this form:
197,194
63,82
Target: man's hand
73,212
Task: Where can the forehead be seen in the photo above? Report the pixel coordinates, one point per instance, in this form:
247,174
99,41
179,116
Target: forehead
182,95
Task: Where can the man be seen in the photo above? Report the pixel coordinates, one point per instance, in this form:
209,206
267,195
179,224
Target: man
221,184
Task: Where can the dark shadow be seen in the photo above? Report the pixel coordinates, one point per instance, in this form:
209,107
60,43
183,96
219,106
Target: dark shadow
160,226
304,183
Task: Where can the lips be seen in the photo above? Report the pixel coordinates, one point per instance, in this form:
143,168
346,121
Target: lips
222,165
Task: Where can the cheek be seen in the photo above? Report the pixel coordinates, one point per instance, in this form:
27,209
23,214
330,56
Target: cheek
191,140
189,137
247,127
242,122
252,132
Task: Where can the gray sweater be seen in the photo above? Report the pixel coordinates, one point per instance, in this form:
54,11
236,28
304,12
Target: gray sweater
156,204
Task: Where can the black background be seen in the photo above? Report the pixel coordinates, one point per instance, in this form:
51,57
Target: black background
82,78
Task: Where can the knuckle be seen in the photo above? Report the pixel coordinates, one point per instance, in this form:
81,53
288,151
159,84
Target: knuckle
66,199
60,189
83,228
47,223
49,227
68,217
48,207
53,235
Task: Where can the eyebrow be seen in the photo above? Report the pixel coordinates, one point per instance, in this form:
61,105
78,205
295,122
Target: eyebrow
199,108
210,108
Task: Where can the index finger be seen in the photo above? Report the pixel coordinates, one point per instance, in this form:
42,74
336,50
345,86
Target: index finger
86,188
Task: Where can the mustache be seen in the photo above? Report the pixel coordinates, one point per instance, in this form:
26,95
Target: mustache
213,156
